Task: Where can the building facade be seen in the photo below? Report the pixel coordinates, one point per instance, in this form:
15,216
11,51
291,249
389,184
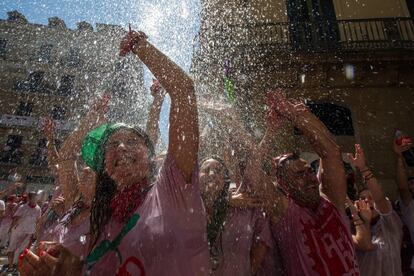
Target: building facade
53,71
351,60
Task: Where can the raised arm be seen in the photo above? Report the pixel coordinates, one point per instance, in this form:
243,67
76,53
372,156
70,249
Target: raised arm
333,179
96,116
402,179
67,172
234,140
378,195
184,132
158,93
255,172
52,153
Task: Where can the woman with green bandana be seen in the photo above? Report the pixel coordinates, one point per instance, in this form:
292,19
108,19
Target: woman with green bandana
138,228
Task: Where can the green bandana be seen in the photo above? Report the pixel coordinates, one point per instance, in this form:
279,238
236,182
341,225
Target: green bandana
93,146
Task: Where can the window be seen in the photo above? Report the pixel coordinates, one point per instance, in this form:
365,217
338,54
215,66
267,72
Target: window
72,58
39,179
58,113
34,83
24,109
3,47
11,152
44,52
338,119
39,157
66,85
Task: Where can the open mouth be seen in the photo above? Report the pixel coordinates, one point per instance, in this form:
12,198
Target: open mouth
124,161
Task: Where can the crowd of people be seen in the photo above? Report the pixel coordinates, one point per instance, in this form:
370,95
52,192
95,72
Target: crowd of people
120,209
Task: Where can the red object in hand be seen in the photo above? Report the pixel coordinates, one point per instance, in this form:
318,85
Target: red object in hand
24,253
402,139
126,44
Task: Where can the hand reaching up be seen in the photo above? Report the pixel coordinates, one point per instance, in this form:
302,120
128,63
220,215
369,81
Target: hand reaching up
364,209
358,160
130,41
399,149
49,127
100,106
274,118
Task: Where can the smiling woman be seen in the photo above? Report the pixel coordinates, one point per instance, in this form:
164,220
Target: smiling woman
135,226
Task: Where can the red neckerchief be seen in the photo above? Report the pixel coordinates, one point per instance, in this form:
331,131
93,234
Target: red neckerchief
125,202
32,206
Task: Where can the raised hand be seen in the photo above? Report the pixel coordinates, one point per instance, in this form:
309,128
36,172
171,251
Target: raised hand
58,205
364,209
101,104
49,127
352,207
358,160
129,42
274,118
399,149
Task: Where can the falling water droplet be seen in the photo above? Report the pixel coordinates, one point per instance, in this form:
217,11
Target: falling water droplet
349,71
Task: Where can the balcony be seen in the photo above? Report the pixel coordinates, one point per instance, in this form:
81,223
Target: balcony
27,121
14,120
315,36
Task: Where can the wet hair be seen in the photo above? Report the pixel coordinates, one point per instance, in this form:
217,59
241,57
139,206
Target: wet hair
77,207
220,205
106,189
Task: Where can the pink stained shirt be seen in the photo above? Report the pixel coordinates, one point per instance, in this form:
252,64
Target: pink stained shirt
242,228
386,235
170,235
315,243
8,213
73,237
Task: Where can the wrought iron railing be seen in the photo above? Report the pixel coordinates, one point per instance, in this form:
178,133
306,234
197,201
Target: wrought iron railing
355,34
28,121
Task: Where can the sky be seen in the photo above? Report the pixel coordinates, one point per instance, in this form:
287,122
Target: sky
170,24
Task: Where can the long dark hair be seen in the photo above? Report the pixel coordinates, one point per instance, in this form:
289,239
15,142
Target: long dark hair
101,210
106,189
220,206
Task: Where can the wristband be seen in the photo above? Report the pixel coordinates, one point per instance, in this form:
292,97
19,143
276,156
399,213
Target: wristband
367,169
368,177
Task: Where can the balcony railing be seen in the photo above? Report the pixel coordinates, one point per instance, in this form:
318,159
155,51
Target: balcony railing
27,121
357,34
14,120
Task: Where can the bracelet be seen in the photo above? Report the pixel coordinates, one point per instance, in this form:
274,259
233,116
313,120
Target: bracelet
366,170
359,224
368,177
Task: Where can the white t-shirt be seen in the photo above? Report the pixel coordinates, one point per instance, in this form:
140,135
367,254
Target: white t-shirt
2,206
385,259
28,217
